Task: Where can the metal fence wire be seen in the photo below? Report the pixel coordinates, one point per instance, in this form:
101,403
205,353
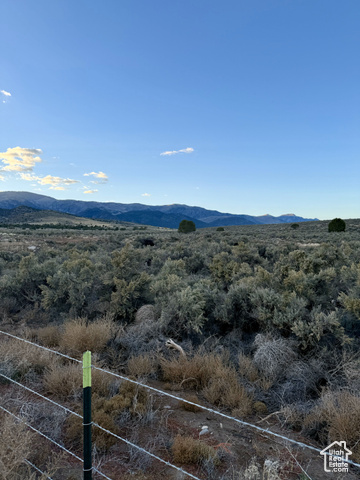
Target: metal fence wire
156,390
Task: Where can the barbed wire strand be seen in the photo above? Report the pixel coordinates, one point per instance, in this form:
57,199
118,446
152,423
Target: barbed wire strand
101,428
145,451
38,469
100,473
40,346
42,434
241,422
39,395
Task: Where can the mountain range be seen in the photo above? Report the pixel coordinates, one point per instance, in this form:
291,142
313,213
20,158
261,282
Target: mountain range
160,216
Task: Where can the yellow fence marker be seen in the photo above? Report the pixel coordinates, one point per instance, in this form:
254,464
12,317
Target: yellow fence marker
87,415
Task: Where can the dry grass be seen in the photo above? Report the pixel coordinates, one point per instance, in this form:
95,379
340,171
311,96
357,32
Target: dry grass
130,397
65,381
191,397
16,443
187,450
340,411
227,392
213,374
247,369
102,441
49,336
194,371
19,358
141,366
105,413
80,335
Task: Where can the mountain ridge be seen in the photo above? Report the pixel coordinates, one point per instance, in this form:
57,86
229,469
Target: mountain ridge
156,215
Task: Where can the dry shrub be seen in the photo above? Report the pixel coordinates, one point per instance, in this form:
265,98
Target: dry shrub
141,366
194,371
183,370
292,417
227,392
19,358
340,412
49,336
16,444
191,397
214,375
73,431
65,381
145,314
273,356
260,408
81,335
247,368
187,450
106,412
351,367
131,397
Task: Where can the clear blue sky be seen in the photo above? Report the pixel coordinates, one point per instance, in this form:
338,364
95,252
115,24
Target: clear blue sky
260,100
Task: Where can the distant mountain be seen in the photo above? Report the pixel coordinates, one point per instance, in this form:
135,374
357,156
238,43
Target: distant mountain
29,215
160,216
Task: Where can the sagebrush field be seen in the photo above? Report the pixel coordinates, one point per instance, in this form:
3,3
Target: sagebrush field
265,322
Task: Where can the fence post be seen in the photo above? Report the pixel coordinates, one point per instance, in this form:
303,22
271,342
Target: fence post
87,415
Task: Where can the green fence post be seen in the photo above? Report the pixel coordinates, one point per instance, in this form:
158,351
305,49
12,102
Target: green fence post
87,415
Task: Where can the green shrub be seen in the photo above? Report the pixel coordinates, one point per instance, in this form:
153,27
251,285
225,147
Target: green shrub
186,226
220,229
337,225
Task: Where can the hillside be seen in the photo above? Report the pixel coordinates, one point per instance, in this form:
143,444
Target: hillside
156,215
29,215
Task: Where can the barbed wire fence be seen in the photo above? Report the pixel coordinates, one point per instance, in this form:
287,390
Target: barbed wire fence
243,423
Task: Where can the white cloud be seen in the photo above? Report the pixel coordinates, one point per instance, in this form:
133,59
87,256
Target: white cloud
6,95
173,152
19,159
146,194
101,176
90,191
54,183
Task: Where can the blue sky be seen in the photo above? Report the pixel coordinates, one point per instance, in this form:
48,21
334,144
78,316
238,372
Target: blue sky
246,106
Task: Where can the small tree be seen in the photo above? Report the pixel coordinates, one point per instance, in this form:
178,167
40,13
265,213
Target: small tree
337,225
295,226
220,229
186,226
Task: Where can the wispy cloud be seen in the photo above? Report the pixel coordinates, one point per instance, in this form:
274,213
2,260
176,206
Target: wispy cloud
54,183
146,194
101,177
173,152
6,95
90,191
19,159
